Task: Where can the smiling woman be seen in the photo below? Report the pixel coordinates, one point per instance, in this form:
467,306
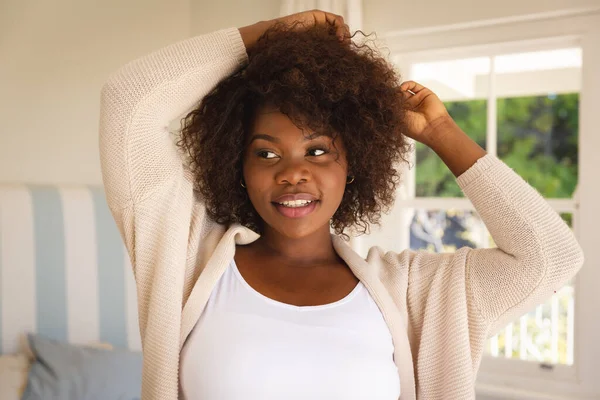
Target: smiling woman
243,291
293,114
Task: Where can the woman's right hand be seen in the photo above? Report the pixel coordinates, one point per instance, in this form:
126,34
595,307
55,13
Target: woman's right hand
251,33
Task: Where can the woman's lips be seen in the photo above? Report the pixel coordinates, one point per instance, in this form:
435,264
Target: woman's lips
296,212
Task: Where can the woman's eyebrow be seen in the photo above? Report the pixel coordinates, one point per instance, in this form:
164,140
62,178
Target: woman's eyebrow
264,136
274,139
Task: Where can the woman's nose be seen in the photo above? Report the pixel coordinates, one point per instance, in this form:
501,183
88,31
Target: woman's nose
293,173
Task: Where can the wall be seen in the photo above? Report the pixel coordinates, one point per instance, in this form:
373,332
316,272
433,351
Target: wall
392,15
211,15
55,57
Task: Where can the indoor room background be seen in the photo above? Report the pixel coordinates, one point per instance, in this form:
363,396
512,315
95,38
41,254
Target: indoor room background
520,77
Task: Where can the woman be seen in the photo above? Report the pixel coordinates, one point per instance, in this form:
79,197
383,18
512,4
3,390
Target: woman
242,290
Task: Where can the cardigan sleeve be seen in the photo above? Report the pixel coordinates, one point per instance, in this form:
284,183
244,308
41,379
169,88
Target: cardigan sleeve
149,187
536,251
139,101
139,158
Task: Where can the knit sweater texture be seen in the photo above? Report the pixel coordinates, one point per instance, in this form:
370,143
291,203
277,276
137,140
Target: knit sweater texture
440,308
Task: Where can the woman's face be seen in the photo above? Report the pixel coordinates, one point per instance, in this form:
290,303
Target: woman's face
280,159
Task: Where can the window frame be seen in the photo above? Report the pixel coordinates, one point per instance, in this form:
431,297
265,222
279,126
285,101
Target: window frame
497,376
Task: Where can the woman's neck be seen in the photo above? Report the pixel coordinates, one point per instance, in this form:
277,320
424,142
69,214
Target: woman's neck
317,248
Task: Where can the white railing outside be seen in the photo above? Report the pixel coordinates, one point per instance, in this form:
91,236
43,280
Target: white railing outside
543,335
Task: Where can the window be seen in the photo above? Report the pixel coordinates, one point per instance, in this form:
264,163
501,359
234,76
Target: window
525,90
524,107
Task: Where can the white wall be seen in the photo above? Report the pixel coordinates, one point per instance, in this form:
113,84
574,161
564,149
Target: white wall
393,15
211,15
55,55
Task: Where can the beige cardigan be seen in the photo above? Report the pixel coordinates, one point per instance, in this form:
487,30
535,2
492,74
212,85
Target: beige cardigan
440,308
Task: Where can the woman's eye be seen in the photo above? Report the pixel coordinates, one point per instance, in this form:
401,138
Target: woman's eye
318,152
266,154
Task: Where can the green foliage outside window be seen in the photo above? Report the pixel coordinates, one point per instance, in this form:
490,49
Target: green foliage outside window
537,137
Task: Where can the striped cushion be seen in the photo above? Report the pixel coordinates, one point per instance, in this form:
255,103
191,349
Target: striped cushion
64,272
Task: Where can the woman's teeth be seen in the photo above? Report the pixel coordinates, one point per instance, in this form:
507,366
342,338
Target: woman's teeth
295,203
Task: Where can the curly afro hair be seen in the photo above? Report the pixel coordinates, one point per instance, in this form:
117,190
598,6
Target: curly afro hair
321,84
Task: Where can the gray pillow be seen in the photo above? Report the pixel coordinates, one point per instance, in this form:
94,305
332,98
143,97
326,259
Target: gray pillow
67,372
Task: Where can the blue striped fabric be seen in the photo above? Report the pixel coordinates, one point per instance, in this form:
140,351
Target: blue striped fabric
63,268
111,283
50,285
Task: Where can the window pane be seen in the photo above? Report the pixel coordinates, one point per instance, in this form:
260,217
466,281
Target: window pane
446,230
538,117
537,137
545,334
433,178
538,73
454,80
463,86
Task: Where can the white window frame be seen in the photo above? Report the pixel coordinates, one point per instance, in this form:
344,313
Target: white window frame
510,378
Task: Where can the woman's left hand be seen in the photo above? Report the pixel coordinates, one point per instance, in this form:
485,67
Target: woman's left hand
428,122
424,112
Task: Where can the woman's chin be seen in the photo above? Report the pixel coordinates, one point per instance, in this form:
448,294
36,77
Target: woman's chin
298,229
298,232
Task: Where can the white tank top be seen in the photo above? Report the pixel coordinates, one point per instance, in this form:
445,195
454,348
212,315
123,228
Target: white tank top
248,346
